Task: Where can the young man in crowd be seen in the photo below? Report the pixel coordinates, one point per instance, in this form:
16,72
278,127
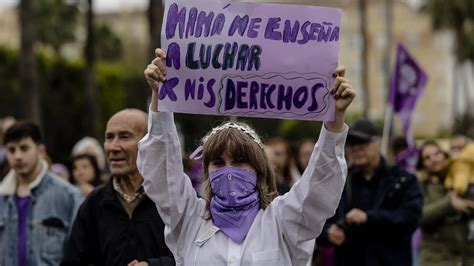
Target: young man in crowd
37,208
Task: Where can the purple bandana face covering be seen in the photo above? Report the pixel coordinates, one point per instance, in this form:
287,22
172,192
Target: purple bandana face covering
235,202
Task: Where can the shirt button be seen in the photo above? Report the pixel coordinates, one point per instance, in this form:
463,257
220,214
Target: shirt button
232,260
232,193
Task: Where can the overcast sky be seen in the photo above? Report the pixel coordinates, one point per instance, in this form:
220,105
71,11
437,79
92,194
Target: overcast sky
100,5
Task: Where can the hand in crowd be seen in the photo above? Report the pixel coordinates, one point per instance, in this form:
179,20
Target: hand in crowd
156,70
155,73
138,263
336,235
356,216
460,204
343,94
342,90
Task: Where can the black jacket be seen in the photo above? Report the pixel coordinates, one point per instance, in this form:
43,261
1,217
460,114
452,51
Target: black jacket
103,233
391,219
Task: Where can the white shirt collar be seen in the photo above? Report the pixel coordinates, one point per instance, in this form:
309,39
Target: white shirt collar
9,183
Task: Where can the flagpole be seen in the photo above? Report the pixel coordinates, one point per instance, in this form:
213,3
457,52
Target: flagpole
387,125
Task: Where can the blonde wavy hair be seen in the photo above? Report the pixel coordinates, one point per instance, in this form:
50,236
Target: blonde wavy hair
244,147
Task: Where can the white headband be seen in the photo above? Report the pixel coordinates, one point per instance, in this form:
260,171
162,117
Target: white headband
247,130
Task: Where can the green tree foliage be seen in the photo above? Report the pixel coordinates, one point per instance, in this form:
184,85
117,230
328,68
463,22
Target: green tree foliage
56,22
294,130
108,45
10,87
61,83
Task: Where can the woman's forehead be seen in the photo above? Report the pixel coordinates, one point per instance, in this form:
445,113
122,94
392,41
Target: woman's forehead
230,148
430,148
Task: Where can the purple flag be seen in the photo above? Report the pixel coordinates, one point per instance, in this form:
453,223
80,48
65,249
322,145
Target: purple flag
408,82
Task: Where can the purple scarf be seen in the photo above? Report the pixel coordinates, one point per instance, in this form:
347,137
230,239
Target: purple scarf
235,202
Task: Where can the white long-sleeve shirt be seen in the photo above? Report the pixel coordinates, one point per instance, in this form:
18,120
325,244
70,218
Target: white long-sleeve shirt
282,234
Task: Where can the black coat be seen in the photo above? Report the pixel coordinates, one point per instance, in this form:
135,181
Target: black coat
391,219
103,233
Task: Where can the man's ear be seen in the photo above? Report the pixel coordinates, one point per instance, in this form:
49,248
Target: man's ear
42,151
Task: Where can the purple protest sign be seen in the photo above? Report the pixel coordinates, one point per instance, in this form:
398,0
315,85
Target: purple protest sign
247,59
408,82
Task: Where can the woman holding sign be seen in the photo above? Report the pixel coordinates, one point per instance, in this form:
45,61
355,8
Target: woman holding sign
240,221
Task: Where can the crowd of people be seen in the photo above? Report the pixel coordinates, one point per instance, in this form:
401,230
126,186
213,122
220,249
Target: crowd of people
241,200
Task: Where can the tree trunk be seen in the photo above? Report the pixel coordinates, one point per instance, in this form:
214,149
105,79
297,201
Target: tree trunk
155,21
91,92
31,109
468,109
364,57
469,87
455,100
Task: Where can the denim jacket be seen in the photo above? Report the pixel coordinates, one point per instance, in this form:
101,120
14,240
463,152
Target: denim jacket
52,209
